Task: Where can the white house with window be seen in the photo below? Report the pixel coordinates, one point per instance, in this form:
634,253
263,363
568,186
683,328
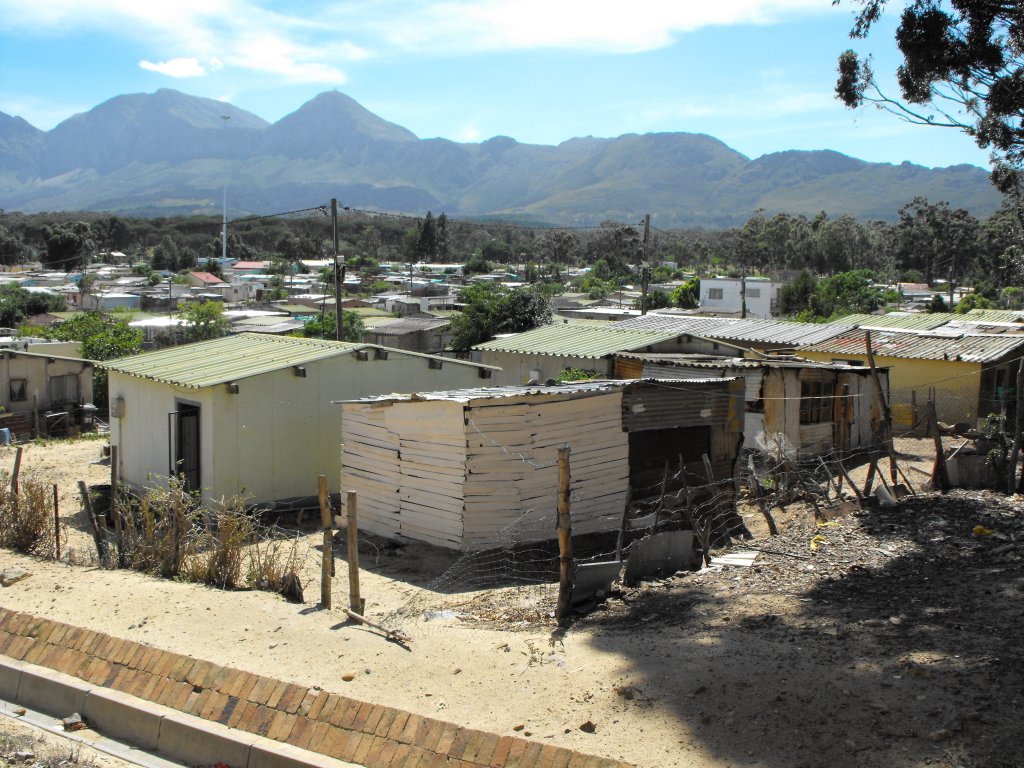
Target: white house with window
725,296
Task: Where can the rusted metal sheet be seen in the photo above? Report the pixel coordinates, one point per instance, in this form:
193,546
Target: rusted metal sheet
659,405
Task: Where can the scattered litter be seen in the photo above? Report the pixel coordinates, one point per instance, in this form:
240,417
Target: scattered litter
73,723
981,530
741,559
588,727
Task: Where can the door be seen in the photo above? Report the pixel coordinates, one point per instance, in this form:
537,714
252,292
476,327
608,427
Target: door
185,442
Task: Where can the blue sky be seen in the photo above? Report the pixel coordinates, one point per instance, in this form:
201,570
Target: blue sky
757,74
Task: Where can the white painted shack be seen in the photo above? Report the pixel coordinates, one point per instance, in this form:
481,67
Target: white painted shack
457,469
808,408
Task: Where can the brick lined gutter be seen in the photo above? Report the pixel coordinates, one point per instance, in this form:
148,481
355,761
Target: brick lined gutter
202,712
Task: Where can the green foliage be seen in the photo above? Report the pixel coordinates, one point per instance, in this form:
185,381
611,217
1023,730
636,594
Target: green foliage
841,294
203,320
973,301
961,68
576,374
1012,297
352,327
937,304
67,244
16,304
687,295
656,299
477,265
12,250
489,309
102,338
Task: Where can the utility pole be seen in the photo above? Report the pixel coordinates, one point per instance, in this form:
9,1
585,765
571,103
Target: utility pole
645,270
224,231
743,292
170,310
338,273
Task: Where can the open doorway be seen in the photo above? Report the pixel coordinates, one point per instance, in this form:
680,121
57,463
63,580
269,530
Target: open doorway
184,448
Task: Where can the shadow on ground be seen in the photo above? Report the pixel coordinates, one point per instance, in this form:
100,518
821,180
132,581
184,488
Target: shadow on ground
896,641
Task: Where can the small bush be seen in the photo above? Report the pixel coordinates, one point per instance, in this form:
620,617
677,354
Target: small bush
26,520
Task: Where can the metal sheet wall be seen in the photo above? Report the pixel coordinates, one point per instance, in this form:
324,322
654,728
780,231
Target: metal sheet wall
661,405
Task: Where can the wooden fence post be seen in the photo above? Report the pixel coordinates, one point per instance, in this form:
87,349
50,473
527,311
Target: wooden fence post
56,525
564,528
115,507
16,472
328,546
1018,429
755,486
940,475
355,601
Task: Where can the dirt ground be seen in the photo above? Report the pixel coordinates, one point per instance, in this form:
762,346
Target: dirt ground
888,637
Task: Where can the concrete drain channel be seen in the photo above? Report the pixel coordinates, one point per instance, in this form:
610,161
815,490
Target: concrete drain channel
140,731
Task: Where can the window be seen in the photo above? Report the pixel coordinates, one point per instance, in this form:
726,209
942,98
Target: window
815,402
19,390
64,389
753,293
714,293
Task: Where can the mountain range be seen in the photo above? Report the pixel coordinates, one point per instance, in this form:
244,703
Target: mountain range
171,153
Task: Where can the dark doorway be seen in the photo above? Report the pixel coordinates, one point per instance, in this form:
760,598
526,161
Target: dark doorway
650,450
185,442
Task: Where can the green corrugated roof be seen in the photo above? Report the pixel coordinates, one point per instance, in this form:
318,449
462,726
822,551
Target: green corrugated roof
904,321
993,315
208,363
578,340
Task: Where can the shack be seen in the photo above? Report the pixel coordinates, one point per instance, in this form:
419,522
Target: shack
803,407
252,414
462,469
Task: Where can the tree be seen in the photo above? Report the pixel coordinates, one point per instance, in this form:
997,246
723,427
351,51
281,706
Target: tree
102,338
489,309
352,327
962,69
687,295
16,304
66,244
656,299
12,250
973,301
795,296
203,320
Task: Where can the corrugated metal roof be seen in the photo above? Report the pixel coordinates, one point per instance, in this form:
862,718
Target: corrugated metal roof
398,327
906,321
995,315
731,329
721,363
578,340
208,363
931,345
553,391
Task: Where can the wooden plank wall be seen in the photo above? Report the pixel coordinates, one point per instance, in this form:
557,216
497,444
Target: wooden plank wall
512,465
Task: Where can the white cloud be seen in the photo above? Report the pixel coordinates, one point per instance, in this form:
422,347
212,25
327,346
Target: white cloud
175,67
599,25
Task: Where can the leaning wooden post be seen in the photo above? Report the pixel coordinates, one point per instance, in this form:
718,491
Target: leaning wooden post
328,546
940,474
17,471
884,406
352,524
564,528
101,544
1011,474
755,486
56,525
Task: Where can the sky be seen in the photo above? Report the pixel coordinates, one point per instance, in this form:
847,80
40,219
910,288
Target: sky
757,74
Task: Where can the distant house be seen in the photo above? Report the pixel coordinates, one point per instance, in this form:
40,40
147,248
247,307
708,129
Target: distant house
45,392
427,334
109,300
457,469
204,280
794,406
972,373
727,295
251,414
545,352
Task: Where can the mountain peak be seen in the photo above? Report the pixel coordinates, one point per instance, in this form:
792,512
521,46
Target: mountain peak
340,118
